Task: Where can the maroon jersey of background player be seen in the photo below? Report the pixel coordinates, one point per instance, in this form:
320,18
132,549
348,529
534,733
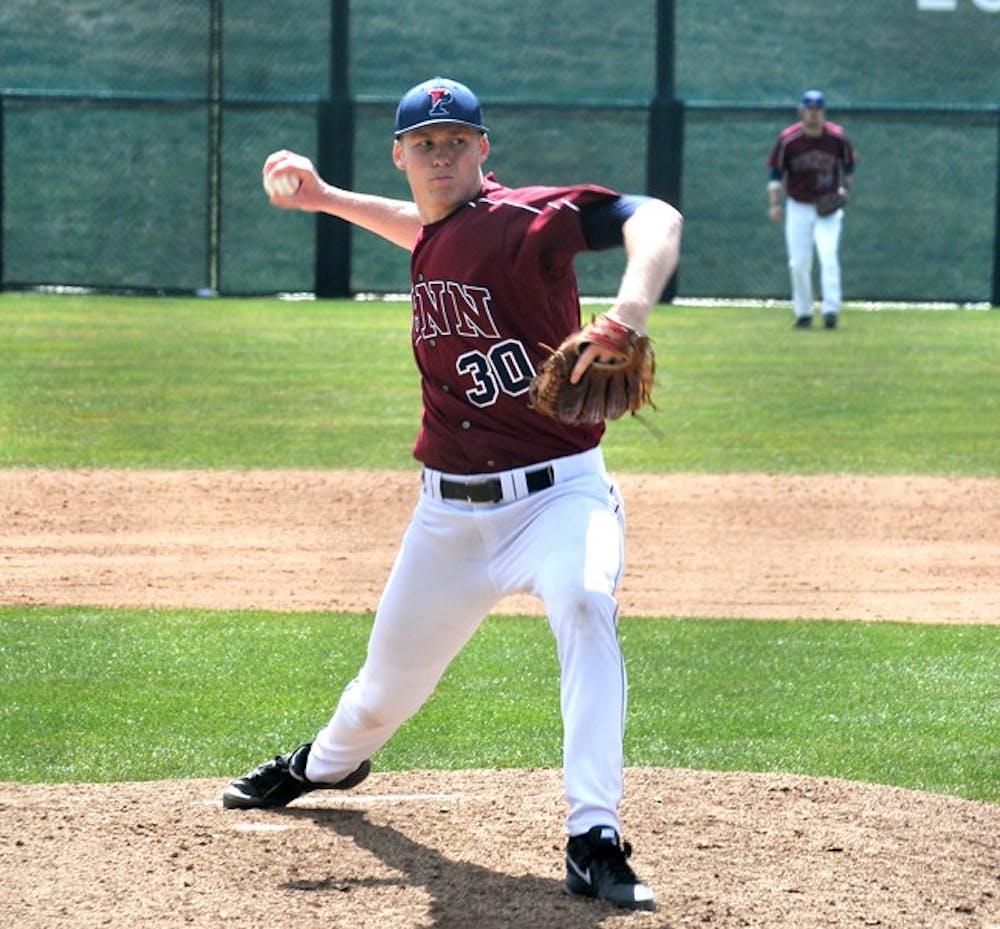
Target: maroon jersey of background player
474,344
811,165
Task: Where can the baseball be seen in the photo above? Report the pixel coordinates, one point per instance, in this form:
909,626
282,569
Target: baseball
284,185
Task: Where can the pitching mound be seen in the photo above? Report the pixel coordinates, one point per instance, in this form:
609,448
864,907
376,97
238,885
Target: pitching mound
482,849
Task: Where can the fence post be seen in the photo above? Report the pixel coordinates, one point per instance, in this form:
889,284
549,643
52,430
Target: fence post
214,146
665,141
335,160
2,140
995,296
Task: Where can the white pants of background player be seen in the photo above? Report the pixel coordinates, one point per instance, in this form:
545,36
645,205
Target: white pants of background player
804,231
456,561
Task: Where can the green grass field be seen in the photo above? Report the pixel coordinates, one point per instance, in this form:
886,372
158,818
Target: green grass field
184,383
105,695
100,694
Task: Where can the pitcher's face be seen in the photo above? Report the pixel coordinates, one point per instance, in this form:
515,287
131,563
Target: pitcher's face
443,165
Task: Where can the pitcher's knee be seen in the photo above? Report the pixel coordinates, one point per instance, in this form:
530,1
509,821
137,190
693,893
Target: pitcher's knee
380,708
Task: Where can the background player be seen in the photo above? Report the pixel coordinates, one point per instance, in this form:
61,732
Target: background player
811,158
511,501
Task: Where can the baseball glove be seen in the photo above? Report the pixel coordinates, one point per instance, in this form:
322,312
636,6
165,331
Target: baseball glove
607,389
830,203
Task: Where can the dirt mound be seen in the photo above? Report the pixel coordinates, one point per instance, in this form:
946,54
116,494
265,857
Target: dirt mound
483,849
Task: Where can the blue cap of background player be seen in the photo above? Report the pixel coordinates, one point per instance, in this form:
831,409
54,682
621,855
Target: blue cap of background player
438,100
813,98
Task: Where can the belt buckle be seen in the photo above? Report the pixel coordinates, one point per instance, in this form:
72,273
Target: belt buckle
490,491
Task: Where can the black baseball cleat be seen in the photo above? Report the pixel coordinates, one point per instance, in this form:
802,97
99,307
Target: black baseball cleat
803,322
597,866
279,781
830,320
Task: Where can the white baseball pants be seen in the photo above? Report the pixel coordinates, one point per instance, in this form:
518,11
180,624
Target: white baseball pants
804,231
565,545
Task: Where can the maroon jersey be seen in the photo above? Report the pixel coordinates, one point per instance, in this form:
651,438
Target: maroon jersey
811,165
491,283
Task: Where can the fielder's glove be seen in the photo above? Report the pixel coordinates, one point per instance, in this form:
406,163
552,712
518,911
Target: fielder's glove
607,389
830,203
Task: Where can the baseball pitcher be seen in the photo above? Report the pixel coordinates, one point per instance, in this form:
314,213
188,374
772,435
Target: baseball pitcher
513,492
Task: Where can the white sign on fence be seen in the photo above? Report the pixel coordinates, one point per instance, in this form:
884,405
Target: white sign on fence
987,6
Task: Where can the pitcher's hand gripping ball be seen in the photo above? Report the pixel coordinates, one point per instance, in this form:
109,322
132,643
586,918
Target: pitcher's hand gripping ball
283,185
607,389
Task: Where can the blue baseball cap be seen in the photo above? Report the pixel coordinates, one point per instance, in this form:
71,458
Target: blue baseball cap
813,98
438,100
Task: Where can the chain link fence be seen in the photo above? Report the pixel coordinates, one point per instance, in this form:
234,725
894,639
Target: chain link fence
132,134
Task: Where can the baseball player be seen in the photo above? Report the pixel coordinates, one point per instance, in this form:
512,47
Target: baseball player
813,159
510,501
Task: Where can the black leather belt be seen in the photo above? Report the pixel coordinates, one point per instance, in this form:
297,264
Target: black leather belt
491,490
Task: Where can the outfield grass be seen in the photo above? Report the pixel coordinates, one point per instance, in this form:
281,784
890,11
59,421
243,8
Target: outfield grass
185,383
97,694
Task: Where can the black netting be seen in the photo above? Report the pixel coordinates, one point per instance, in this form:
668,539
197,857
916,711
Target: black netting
105,195
132,134
919,225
